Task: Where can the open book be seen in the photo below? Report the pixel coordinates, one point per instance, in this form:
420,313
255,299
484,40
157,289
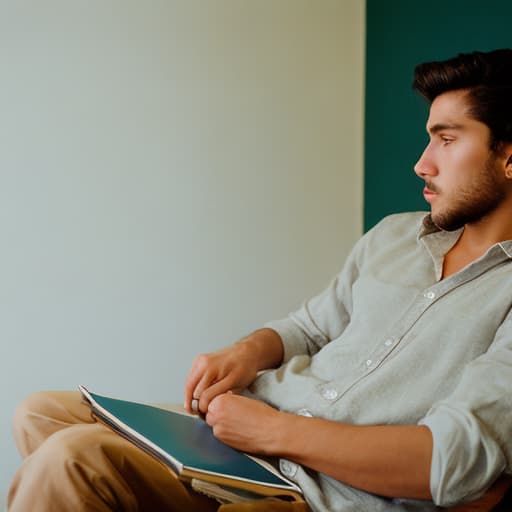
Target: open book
186,444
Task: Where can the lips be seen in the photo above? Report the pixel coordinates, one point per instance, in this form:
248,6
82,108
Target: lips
429,194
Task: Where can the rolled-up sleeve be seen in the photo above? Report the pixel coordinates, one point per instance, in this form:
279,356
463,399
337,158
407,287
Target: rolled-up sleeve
472,428
324,317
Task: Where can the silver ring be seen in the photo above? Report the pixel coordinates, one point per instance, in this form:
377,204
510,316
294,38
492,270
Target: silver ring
195,405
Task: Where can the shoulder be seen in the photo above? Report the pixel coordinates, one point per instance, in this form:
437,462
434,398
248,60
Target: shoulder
396,232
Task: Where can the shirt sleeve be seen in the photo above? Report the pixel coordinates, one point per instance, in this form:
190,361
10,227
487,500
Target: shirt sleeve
472,428
324,317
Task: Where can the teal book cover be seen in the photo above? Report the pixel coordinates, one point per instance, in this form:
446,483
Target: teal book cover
185,443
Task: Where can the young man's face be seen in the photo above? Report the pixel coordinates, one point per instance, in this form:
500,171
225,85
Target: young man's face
464,179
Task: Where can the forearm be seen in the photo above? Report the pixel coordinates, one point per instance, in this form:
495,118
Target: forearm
391,461
266,347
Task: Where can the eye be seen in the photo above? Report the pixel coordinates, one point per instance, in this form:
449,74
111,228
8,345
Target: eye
446,140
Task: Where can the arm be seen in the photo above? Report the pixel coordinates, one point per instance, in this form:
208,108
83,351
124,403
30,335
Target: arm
455,453
391,461
387,460
325,316
306,331
232,368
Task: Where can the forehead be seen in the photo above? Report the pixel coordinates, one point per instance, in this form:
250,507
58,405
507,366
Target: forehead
451,110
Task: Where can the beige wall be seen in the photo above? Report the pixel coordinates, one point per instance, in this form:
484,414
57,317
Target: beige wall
173,174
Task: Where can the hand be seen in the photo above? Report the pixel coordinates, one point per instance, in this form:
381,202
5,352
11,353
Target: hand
245,424
230,369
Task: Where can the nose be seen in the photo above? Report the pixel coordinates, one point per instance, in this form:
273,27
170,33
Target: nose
425,166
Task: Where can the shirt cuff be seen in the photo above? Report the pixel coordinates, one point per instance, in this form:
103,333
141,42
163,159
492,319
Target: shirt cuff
466,460
294,340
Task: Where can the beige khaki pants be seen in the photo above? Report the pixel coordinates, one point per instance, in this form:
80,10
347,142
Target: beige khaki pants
72,463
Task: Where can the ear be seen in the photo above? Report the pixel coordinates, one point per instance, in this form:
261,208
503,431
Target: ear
508,159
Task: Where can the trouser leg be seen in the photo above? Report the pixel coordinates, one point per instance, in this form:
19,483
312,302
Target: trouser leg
42,414
72,463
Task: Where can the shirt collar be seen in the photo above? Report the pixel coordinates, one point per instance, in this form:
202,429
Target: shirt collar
445,240
428,227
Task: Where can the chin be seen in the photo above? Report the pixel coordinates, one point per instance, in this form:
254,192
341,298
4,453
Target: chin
443,220
447,223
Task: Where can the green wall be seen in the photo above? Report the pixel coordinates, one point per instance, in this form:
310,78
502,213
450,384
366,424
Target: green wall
401,34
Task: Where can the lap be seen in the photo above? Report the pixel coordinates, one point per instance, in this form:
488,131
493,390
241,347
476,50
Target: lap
65,430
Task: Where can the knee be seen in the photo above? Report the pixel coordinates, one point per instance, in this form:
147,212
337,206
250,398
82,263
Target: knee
25,414
69,445
81,449
68,471
34,420
32,405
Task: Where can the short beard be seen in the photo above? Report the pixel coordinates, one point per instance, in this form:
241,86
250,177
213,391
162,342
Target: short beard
475,201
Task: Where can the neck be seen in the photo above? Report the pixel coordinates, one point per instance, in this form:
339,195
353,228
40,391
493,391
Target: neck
495,227
476,239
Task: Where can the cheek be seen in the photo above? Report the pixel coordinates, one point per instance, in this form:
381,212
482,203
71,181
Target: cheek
468,156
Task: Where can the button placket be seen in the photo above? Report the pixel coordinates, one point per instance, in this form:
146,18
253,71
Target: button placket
380,353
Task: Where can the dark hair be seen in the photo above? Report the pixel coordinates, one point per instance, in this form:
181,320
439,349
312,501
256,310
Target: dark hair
487,77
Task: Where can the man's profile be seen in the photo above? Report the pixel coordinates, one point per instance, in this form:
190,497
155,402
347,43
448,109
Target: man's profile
388,391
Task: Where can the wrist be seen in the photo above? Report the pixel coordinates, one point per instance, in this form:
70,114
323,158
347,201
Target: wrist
265,348
285,432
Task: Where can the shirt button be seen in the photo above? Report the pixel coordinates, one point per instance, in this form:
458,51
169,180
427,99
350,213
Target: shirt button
388,343
429,295
369,362
329,394
288,468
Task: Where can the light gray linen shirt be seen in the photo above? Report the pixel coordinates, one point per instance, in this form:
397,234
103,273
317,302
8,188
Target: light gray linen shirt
389,342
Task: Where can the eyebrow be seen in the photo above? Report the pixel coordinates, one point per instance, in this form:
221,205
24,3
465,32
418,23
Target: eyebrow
439,127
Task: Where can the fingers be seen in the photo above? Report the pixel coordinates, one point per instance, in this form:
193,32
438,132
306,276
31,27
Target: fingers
204,382
199,378
193,378
216,408
214,390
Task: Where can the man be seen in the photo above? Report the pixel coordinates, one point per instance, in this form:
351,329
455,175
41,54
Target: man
388,391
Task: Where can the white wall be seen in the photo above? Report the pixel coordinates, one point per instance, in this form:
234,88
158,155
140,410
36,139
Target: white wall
173,174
